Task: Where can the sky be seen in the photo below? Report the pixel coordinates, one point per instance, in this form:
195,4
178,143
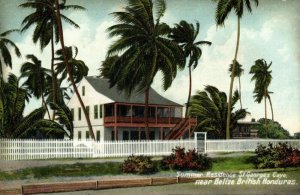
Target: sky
271,32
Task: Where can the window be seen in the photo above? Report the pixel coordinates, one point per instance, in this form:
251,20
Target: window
125,135
87,135
88,110
98,135
79,114
101,112
95,111
72,113
134,135
83,90
151,135
112,135
79,134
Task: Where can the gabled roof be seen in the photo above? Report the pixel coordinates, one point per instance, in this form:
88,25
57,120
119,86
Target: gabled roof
101,85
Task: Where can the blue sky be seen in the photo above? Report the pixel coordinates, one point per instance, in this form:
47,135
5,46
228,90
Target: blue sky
271,32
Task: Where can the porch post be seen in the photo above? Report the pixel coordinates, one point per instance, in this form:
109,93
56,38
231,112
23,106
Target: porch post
115,126
116,133
161,133
139,133
169,115
131,113
155,114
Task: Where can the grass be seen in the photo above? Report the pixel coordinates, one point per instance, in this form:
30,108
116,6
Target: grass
232,163
75,170
224,164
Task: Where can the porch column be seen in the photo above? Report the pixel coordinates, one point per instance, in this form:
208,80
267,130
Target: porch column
131,113
116,133
115,126
139,133
161,133
155,114
169,115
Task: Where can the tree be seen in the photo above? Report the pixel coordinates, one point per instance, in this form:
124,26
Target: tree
143,48
224,7
36,77
271,129
262,77
210,107
12,122
185,35
238,73
69,70
78,68
46,28
5,44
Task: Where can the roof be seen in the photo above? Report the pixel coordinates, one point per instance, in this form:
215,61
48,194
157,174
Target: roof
102,86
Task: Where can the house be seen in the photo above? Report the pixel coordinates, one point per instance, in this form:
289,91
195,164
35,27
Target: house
115,116
245,130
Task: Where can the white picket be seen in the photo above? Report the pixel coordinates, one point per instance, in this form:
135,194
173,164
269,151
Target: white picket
23,149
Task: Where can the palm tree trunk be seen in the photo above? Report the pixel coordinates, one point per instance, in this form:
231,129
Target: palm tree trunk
240,92
271,106
265,97
61,36
190,91
231,82
146,114
45,105
54,79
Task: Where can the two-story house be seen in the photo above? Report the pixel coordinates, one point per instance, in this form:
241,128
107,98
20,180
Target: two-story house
116,116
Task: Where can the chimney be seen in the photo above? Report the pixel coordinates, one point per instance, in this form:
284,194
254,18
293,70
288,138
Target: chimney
253,120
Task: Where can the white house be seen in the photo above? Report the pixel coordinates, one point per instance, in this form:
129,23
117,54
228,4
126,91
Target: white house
115,116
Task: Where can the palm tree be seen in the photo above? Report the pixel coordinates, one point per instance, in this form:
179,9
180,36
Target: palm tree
12,104
238,73
144,49
36,77
5,58
185,35
68,67
224,7
78,68
210,108
46,29
262,77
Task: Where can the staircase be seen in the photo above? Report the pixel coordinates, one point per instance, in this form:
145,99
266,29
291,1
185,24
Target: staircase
181,128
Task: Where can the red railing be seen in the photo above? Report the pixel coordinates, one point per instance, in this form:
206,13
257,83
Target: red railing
128,119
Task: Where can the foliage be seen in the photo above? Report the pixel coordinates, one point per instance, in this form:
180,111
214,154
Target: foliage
210,109
273,129
262,77
190,160
5,54
45,21
12,122
78,68
185,35
139,164
280,155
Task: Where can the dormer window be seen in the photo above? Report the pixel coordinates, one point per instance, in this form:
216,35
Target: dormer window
83,90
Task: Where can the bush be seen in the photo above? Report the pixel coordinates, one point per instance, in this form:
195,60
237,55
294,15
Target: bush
280,155
139,165
190,160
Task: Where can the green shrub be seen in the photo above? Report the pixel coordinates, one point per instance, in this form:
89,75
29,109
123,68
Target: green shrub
280,155
190,160
139,165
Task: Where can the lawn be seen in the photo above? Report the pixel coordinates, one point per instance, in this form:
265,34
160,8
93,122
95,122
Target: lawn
224,164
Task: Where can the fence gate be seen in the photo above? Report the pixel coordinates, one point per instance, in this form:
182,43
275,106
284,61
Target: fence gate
200,141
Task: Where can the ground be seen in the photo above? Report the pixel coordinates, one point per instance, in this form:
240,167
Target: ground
231,162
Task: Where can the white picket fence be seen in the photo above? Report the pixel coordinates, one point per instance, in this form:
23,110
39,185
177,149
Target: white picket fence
20,149
240,145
